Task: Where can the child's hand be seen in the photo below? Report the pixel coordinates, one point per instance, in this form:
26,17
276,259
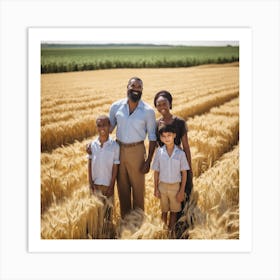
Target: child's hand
157,193
88,149
91,188
180,196
110,191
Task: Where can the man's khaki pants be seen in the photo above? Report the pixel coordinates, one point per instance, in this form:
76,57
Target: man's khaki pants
130,179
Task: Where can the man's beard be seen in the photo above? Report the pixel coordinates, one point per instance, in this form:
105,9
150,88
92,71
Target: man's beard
134,95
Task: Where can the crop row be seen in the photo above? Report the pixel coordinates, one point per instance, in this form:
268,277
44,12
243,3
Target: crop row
66,89
213,211
61,133
65,113
54,67
78,218
54,60
67,131
58,108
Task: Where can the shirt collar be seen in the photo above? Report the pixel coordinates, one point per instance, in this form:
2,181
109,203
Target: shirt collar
105,143
140,103
175,150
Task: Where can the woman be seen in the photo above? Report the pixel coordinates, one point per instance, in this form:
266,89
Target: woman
163,103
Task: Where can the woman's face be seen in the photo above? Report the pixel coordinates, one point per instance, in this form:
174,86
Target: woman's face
162,105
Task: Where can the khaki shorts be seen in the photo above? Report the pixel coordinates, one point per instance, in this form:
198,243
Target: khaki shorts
168,194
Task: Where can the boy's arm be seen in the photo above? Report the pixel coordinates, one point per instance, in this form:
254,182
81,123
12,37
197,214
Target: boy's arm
156,181
181,193
91,183
186,149
110,191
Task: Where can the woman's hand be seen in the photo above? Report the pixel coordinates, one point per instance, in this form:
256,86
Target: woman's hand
180,196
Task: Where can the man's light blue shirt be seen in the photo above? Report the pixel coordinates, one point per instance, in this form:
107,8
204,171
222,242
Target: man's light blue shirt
133,128
170,167
102,160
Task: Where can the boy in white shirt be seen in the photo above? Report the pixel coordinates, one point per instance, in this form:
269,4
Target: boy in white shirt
103,161
170,175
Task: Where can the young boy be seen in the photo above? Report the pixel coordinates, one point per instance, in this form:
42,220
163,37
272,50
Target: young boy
103,161
170,175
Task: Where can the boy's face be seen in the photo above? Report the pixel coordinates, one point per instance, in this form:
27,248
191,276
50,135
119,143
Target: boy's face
103,127
167,138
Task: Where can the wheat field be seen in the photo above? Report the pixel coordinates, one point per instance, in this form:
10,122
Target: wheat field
207,97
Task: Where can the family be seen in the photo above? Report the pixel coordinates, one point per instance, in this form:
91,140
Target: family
125,159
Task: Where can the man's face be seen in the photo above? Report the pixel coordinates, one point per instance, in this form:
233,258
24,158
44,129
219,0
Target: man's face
103,127
134,90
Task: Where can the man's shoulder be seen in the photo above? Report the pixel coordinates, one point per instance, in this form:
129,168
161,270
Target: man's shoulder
150,113
120,102
146,105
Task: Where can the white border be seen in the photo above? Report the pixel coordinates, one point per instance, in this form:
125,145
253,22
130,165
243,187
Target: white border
242,35
262,16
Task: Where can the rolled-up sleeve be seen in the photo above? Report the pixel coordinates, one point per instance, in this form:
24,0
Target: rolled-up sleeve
112,115
116,154
155,164
151,125
184,163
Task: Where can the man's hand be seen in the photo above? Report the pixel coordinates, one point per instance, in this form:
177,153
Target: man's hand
146,167
110,191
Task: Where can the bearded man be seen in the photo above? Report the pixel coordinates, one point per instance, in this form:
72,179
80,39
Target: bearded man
134,120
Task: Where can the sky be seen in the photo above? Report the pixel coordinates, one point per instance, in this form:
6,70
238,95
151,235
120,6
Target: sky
181,43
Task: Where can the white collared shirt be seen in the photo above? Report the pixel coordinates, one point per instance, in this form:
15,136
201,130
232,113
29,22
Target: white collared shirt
170,167
102,160
133,128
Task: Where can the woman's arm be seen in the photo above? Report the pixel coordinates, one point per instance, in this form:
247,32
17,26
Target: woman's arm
186,149
181,193
156,181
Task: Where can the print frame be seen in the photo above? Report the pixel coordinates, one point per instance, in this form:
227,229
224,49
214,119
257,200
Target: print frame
157,34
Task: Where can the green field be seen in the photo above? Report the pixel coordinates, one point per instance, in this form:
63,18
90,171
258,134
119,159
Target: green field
68,58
